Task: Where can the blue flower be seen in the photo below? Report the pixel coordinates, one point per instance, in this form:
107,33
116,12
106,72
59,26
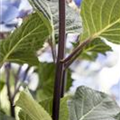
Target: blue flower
11,11
78,2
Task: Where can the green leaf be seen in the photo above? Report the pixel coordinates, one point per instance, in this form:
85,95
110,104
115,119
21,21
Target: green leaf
64,113
31,107
69,80
47,104
117,117
2,83
46,73
23,116
98,46
50,10
21,46
101,18
88,56
5,117
90,51
93,105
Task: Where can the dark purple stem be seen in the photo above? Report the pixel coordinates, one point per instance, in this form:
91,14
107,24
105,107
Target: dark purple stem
59,65
68,61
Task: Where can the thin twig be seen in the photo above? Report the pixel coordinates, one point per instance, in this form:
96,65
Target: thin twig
25,74
53,50
17,88
7,68
16,91
12,109
17,76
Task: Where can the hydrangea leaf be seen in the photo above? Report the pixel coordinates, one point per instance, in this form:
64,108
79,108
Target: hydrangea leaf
90,51
46,76
50,10
2,83
3,116
117,117
21,46
31,107
101,18
23,116
64,113
92,105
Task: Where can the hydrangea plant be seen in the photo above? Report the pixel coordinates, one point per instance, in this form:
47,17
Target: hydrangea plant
98,20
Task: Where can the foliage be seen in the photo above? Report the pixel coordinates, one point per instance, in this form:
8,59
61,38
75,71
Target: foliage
85,104
2,83
99,20
92,105
31,35
3,116
90,52
27,103
23,116
50,10
64,113
46,85
117,116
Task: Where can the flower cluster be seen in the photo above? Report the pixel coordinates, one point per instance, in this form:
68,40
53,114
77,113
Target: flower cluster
12,10
78,2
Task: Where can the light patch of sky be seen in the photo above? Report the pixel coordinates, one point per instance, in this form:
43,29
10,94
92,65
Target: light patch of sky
110,76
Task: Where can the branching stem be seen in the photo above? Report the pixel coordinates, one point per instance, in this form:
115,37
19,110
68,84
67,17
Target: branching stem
59,65
68,61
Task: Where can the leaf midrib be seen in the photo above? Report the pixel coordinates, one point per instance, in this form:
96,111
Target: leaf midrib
104,29
85,115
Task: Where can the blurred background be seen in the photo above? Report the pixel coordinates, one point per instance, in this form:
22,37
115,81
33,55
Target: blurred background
103,74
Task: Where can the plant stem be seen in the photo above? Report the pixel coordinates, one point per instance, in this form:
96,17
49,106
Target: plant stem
12,109
63,83
17,76
59,65
17,88
68,61
52,50
67,64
